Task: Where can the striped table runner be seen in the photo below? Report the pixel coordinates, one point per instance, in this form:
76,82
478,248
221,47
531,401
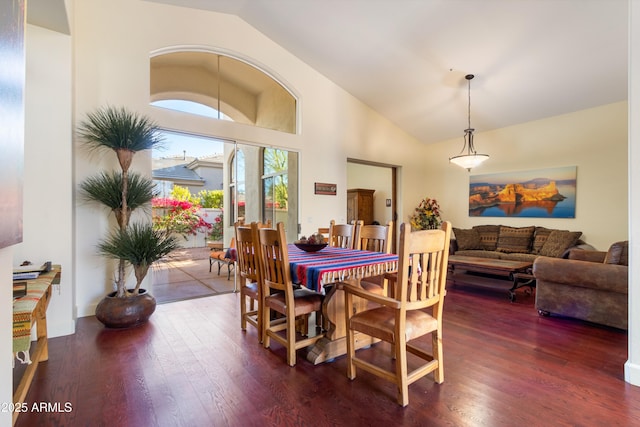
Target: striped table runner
315,269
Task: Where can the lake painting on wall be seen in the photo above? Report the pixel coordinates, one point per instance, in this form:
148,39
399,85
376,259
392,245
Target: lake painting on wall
542,193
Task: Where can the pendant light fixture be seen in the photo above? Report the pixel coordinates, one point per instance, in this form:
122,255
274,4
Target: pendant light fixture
468,157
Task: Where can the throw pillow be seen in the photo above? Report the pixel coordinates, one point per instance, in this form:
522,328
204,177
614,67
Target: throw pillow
558,242
488,236
467,239
618,253
515,239
539,237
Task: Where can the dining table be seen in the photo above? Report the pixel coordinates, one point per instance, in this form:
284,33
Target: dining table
319,271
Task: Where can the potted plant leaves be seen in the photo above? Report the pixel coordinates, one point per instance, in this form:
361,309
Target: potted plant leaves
134,246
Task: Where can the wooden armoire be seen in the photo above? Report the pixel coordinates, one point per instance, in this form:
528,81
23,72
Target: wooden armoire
360,205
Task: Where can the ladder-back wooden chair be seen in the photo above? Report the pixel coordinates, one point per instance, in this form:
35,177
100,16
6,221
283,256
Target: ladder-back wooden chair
343,235
250,289
281,296
413,311
375,238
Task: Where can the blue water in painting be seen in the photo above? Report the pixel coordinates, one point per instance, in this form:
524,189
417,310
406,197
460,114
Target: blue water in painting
563,209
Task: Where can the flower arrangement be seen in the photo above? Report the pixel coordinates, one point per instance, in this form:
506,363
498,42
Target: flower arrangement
181,216
426,216
217,230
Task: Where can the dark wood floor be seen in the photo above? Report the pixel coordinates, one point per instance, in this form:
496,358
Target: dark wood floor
193,366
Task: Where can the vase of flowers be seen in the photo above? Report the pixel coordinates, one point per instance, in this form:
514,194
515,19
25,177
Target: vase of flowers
426,216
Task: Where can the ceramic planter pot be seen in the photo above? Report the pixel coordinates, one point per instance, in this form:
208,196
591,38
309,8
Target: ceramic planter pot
128,312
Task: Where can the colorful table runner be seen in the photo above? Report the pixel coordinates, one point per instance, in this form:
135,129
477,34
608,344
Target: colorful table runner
23,310
315,269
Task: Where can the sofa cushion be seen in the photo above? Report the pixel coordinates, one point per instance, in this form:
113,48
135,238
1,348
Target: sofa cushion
618,254
515,239
558,242
514,256
480,253
488,236
467,239
539,237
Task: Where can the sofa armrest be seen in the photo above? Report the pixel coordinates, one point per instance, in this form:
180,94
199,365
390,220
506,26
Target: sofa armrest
585,274
453,246
587,255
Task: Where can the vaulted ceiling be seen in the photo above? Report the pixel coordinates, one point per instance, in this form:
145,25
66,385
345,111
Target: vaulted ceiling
407,58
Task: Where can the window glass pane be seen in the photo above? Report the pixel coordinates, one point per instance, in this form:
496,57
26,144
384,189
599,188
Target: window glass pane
274,161
191,108
267,195
237,163
230,88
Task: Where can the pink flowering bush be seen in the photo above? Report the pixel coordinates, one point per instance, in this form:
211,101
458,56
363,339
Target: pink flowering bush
217,229
180,216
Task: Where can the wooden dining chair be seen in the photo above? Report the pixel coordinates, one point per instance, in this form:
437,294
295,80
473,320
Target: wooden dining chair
375,238
250,289
343,235
281,296
403,317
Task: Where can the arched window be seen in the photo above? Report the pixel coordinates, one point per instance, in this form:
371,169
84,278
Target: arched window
229,86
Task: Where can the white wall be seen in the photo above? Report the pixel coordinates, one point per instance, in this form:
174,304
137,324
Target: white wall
632,367
594,140
48,183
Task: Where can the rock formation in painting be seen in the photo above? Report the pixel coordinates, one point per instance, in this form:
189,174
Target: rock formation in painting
487,195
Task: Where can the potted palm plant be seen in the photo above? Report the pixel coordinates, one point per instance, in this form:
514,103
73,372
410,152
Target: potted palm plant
137,245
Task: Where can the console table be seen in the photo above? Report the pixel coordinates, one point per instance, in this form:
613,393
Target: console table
27,310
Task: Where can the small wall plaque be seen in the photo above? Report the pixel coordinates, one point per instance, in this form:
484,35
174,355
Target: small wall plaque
327,189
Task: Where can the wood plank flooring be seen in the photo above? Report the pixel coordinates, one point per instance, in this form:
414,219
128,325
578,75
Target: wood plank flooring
191,365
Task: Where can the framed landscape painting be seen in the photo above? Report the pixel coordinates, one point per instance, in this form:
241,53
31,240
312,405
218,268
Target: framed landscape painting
543,193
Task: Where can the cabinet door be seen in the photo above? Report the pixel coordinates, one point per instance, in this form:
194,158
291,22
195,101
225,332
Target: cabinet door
352,206
360,205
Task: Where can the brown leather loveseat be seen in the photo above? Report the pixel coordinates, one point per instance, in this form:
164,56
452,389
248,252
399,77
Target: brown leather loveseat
590,285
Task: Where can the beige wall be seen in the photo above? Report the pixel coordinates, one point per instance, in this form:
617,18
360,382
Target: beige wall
594,140
373,178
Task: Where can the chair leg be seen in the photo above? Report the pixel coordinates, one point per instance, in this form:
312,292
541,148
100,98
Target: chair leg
219,265
210,264
266,321
291,341
402,382
436,339
243,312
259,318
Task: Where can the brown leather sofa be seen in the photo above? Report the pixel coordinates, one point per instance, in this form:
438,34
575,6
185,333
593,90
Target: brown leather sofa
515,243
589,285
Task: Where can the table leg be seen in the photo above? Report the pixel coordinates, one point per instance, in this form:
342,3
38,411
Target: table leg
521,279
334,343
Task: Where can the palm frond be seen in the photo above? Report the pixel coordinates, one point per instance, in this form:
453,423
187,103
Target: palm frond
138,244
119,129
106,189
